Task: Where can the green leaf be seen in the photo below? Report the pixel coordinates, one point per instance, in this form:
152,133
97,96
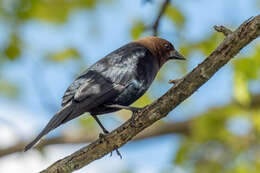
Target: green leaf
87,122
8,89
54,10
64,55
143,101
175,15
137,30
241,91
248,67
13,49
209,44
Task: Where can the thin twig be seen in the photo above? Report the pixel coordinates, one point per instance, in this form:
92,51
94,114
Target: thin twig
158,19
222,29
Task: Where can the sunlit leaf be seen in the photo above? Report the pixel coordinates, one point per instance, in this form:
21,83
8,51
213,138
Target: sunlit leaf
54,10
186,50
241,91
256,120
64,55
183,152
87,122
8,89
175,15
143,101
137,29
248,67
13,49
209,44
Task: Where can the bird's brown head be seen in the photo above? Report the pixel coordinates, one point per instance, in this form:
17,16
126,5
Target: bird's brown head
160,48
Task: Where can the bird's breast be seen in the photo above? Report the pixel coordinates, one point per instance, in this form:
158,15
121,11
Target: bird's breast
140,81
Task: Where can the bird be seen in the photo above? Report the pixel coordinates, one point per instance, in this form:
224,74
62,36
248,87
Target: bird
114,82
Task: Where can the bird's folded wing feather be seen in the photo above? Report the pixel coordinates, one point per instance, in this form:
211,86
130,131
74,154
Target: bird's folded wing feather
94,93
106,78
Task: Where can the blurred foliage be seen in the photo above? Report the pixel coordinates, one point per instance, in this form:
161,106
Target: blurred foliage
137,29
204,46
211,146
87,122
8,89
175,15
63,55
12,50
15,13
47,10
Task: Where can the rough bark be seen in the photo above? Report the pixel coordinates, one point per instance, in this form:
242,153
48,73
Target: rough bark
232,44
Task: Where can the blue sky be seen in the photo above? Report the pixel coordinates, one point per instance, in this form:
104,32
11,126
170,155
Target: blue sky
112,25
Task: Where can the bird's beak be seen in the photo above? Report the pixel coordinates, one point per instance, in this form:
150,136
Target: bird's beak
176,55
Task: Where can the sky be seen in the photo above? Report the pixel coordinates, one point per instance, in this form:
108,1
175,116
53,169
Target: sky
27,116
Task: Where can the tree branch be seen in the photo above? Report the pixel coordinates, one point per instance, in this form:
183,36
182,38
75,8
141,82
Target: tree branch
157,130
223,29
232,44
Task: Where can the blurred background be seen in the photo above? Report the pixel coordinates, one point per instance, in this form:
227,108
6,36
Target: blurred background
45,44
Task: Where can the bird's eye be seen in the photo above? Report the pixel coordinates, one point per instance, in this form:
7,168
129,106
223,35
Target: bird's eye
167,46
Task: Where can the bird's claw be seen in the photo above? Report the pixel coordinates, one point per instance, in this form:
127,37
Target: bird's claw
133,122
135,109
102,136
117,152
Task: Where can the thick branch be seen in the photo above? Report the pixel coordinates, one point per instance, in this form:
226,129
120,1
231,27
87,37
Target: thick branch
232,44
157,130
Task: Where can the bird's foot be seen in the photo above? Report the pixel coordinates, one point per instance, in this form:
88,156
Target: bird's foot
175,81
132,120
117,152
102,137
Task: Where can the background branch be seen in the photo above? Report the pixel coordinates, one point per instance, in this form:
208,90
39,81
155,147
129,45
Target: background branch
159,129
160,14
235,41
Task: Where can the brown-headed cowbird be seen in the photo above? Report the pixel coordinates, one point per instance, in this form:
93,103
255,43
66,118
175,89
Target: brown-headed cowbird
114,82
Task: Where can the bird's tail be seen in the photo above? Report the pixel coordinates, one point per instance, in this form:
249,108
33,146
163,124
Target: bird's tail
62,116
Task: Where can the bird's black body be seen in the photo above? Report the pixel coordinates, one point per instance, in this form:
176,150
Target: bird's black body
119,78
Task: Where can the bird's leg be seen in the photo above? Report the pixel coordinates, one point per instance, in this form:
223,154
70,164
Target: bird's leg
102,136
130,108
100,124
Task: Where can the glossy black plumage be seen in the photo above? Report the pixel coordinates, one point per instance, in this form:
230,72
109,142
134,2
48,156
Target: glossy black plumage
120,78
128,71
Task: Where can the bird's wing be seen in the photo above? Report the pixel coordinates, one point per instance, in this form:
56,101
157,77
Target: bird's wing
96,92
106,78
91,90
